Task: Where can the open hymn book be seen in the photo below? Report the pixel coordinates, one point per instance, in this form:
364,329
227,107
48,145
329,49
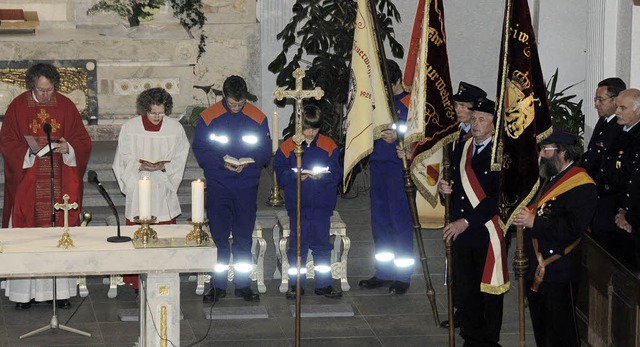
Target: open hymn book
237,161
38,150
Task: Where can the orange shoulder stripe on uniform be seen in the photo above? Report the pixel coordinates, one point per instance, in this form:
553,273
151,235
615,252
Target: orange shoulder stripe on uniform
326,143
287,147
213,112
218,109
406,100
254,113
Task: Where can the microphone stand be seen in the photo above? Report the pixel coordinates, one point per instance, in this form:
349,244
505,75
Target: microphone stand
53,324
51,185
93,179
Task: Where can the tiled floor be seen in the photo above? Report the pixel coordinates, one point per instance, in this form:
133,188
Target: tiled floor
380,319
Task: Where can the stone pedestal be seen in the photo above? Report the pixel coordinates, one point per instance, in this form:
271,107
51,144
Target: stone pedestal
162,313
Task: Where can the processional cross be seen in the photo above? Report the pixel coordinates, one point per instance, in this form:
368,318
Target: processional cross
66,240
298,95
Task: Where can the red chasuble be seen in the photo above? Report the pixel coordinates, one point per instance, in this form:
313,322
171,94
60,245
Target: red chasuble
27,191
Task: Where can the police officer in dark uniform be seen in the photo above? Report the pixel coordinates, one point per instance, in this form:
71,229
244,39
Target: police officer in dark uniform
606,129
617,176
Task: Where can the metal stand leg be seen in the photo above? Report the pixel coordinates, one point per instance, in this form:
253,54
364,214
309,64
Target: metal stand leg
54,320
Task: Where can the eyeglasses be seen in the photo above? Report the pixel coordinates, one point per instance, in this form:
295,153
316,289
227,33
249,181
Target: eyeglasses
546,149
600,100
236,104
45,91
156,114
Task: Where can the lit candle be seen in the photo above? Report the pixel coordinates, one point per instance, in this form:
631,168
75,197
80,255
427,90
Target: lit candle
274,132
144,198
197,201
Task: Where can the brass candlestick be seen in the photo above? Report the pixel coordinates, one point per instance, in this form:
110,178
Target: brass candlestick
197,234
275,199
145,232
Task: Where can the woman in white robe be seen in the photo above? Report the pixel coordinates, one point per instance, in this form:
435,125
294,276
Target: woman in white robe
154,146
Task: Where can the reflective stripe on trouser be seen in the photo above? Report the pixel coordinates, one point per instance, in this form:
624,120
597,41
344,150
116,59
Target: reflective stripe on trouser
391,224
232,210
390,267
315,237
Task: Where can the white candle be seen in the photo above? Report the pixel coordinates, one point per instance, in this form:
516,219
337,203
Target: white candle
197,201
144,198
274,132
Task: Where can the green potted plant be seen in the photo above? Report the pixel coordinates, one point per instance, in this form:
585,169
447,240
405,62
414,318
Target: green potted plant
320,36
565,110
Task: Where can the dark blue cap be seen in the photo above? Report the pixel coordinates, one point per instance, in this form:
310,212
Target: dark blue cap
468,93
560,136
483,104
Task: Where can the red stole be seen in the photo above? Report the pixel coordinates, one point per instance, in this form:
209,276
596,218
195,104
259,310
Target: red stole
495,276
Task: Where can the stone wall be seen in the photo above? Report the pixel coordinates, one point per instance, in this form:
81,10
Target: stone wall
157,53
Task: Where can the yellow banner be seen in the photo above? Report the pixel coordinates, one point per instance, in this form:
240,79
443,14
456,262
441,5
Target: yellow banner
368,110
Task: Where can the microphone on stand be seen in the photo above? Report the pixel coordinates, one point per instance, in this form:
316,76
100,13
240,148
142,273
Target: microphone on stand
92,177
47,129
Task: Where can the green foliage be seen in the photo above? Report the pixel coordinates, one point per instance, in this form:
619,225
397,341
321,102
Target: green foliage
189,12
323,31
566,113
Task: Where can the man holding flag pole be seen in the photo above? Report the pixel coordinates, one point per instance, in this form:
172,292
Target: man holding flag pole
523,121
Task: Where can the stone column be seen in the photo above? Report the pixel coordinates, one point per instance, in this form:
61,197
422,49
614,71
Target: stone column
595,61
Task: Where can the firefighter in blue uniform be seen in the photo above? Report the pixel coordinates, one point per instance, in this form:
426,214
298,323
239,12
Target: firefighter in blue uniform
318,199
236,128
391,223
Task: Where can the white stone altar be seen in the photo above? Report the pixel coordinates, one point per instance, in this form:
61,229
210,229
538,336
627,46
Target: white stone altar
33,252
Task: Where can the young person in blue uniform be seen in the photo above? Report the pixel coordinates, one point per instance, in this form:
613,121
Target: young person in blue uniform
391,223
236,128
479,251
554,224
318,199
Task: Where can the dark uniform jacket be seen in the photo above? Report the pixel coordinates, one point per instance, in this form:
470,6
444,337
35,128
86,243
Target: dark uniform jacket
558,223
476,235
613,180
604,135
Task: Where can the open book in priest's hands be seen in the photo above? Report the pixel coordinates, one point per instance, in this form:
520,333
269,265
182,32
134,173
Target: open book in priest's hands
38,150
237,161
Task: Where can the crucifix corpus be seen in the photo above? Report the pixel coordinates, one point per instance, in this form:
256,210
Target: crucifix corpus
66,240
298,95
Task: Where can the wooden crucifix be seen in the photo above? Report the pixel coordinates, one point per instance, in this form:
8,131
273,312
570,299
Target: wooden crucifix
66,240
298,95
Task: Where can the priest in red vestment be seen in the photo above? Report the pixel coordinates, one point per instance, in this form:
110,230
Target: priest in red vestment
27,189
